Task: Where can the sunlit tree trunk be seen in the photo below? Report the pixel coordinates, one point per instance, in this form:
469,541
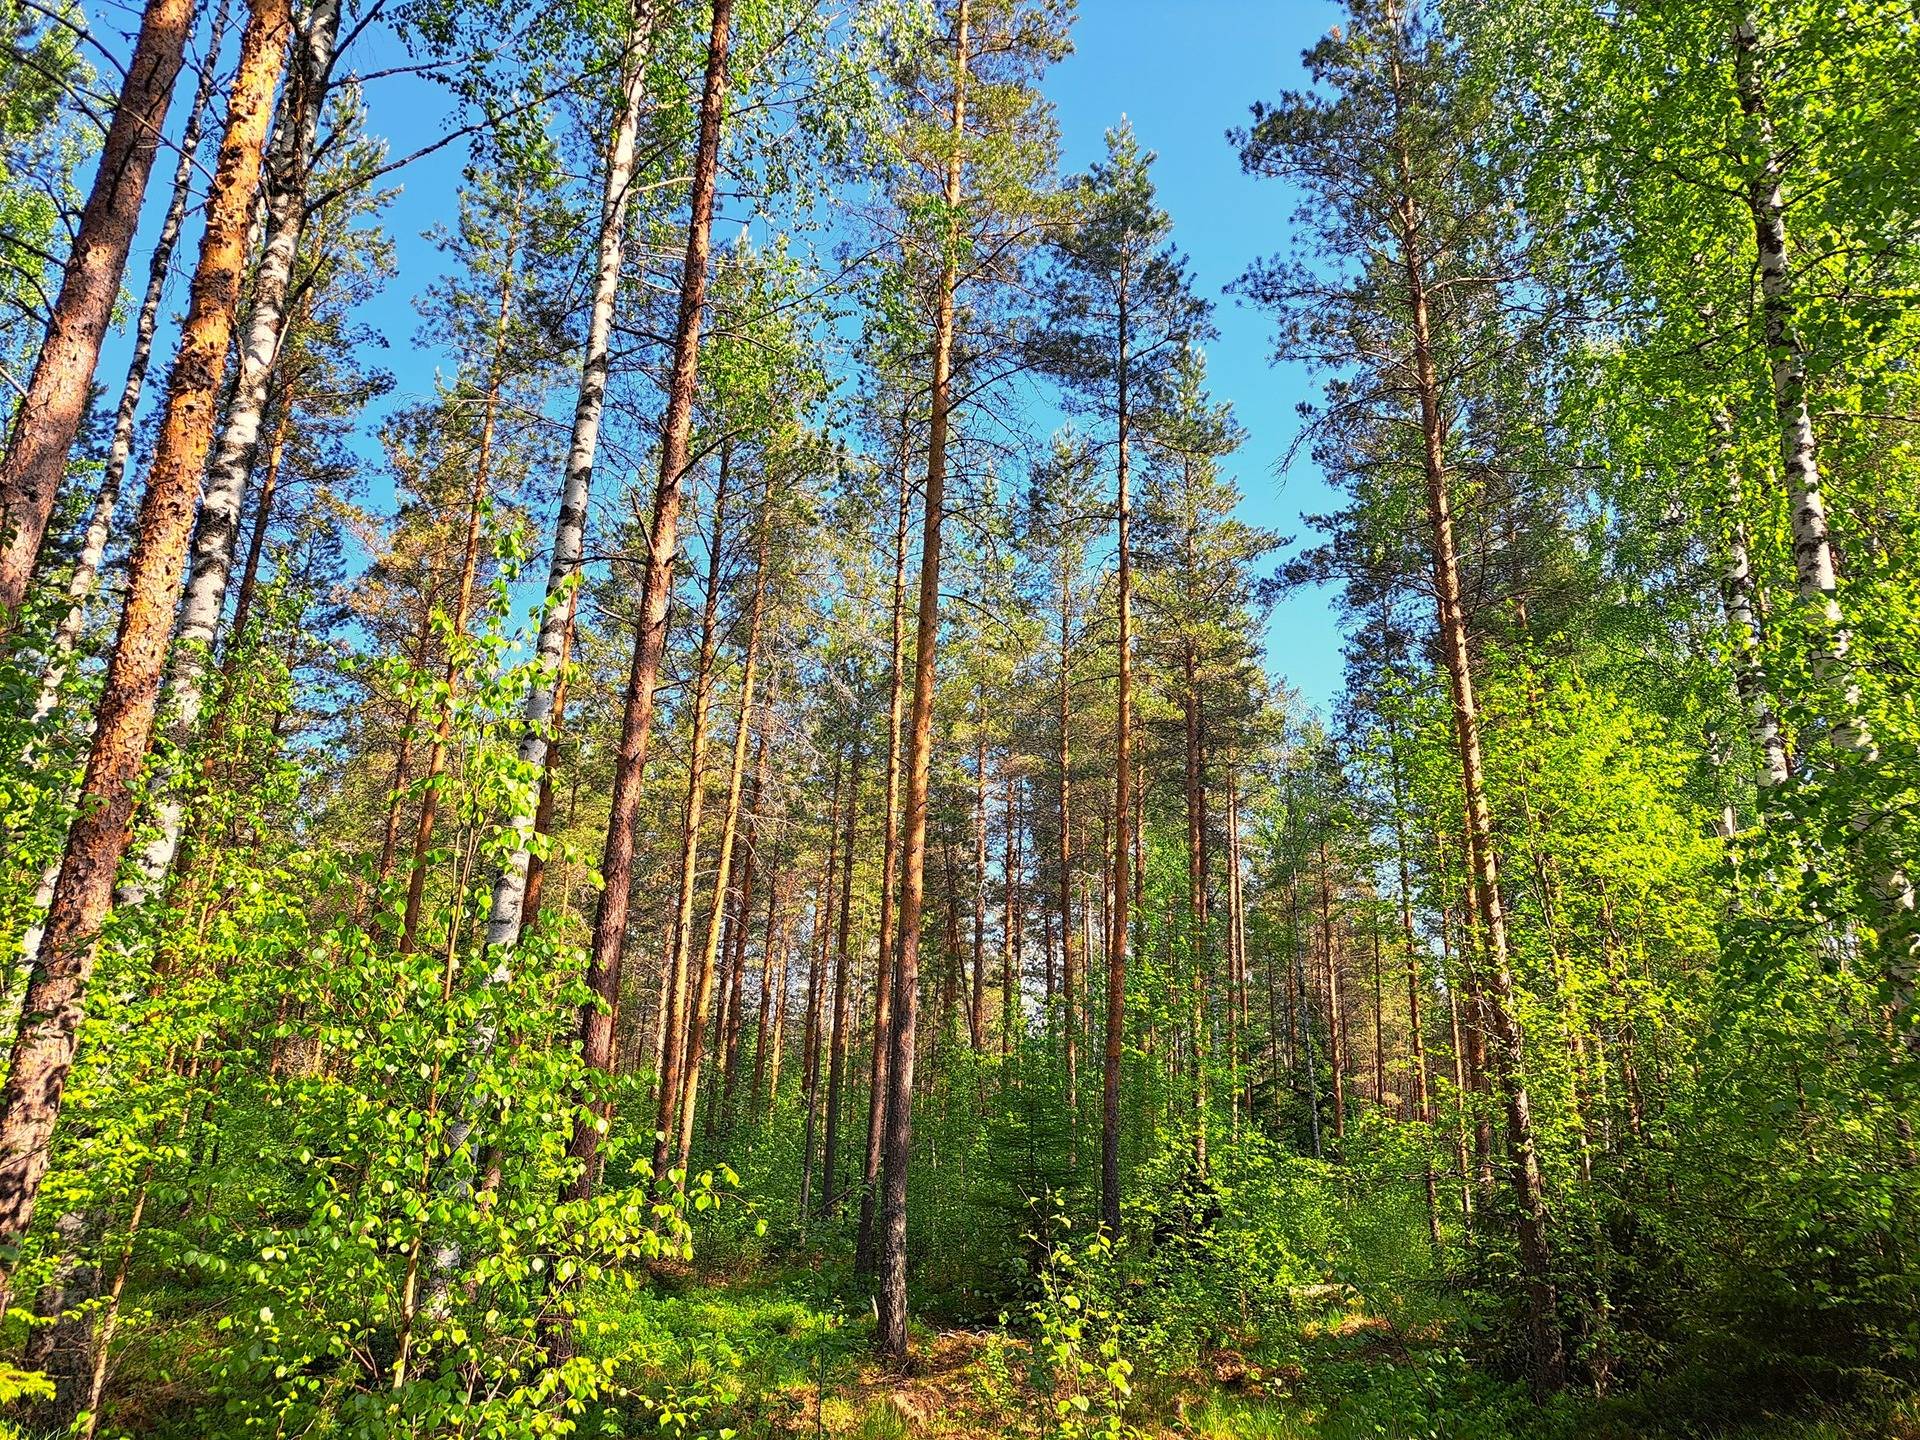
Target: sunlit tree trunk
697,1028
1196,892
289,163
1336,1031
93,544
889,864
477,497
1123,815
61,385
842,1009
817,981
1813,557
507,908
1549,1354
1069,954
123,730
977,1006
595,1018
891,1302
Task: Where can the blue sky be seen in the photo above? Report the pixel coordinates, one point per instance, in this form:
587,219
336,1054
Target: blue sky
1183,71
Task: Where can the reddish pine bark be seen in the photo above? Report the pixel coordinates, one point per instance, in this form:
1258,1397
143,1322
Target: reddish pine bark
62,381
610,921
891,1303
97,840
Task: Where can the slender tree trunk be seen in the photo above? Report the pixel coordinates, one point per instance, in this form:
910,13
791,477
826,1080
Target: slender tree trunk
61,385
732,1023
1422,1106
1738,601
1459,1079
93,545
1069,958
544,806
1122,812
610,920
1010,928
1848,731
1549,1354
1336,1052
889,864
123,730
891,1303
842,1012
462,610
289,163
822,950
696,1033
244,597
673,1068
977,1009
1196,894
507,908
771,1013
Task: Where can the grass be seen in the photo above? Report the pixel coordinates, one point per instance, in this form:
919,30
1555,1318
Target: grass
782,1355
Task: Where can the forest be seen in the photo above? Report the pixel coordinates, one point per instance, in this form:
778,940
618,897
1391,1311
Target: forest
661,770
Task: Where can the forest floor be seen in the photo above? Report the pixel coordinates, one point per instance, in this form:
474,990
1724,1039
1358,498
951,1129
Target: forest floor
773,1356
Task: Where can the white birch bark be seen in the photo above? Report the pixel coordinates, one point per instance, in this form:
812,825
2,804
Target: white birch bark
508,903
1847,729
1743,621
289,163
570,528
93,545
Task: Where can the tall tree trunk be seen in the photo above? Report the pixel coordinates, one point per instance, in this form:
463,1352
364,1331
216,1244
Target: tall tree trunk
1010,928
1069,958
731,1021
1336,1051
977,1009
289,163
1422,1107
1549,1353
544,806
723,868
891,1303
1813,558
770,1012
123,730
243,600
61,385
93,545
593,1020
1123,814
822,948
889,864
507,907
477,495
1738,602
842,1013
616,866
1196,893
